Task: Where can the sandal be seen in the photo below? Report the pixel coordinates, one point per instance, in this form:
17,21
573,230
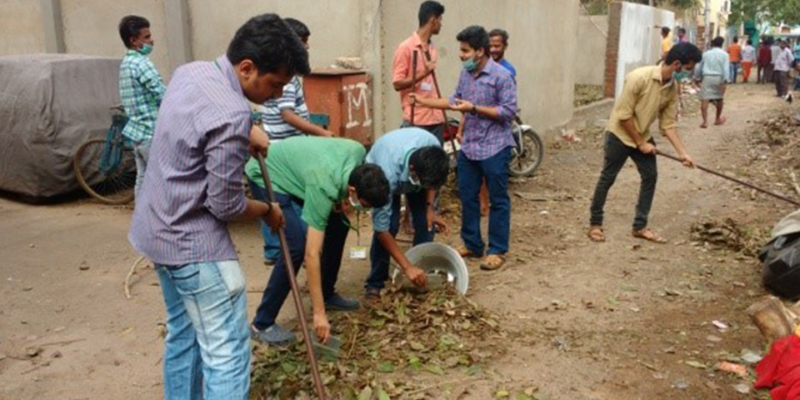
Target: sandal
492,262
596,235
649,235
464,252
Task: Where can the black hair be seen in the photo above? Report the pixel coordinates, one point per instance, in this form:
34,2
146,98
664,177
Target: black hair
735,39
371,184
685,53
750,42
681,30
476,37
431,166
270,44
718,41
428,10
298,27
665,30
130,26
499,32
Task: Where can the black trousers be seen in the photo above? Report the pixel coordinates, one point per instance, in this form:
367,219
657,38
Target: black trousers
616,153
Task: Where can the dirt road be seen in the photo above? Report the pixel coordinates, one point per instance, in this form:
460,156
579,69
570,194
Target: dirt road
619,320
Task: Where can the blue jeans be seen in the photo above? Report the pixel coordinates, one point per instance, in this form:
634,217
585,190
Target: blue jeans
272,244
141,154
379,257
207,349
296,229
470,175
734,71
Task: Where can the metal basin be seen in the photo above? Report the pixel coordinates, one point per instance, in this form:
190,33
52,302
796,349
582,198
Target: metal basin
439,259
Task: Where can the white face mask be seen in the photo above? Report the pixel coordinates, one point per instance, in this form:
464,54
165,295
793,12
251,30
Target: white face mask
414,180
357,205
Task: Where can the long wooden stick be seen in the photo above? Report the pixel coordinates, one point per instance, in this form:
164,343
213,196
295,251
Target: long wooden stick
413,84
732,179
312,360
439,94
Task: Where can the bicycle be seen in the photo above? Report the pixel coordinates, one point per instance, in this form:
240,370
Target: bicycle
526,155
105,168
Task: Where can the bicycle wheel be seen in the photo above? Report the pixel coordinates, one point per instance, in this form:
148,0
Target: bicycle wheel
527,156
111,185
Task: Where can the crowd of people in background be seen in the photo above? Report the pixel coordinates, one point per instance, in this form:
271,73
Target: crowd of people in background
775,60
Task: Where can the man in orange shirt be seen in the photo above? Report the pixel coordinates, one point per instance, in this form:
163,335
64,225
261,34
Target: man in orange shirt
430,24
735,55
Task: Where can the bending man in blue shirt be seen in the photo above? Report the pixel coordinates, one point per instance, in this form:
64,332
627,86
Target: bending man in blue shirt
416,166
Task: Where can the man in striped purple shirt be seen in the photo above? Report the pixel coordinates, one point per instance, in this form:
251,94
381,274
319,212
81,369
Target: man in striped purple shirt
193,189
487,95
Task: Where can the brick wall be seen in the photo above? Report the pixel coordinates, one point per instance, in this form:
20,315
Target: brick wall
612,48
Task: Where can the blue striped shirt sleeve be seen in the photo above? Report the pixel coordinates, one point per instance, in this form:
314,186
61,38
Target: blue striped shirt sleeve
225,162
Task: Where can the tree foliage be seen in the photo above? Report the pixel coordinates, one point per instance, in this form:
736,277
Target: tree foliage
771,11
601,6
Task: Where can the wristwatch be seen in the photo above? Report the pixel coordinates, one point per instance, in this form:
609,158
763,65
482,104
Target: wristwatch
474,110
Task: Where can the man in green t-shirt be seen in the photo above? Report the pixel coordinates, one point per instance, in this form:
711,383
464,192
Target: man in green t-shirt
316,181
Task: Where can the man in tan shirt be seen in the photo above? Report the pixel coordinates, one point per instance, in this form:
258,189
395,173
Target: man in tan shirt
648,92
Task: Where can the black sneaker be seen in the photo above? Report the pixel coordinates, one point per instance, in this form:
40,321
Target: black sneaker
339,303
372,293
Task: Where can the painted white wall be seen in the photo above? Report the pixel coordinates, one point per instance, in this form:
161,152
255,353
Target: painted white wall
640,38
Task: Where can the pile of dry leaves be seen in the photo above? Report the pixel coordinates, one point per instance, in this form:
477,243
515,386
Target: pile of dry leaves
730,235
773,149
387,349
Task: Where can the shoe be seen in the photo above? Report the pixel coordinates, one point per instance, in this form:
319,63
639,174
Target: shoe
372,293
274,335
339,303
492,262
270,262
464,252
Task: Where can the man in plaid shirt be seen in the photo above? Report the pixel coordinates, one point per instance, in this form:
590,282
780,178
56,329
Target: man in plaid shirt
140,89
487,96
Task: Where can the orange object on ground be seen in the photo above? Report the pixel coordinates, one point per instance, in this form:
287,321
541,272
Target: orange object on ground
737,369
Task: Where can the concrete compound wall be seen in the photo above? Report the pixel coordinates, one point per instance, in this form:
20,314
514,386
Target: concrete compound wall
538,47
21,27
370,29
634,40
91,27
335,25
590,65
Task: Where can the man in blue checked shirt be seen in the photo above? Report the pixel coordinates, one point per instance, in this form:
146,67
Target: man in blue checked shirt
487,96
140,89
